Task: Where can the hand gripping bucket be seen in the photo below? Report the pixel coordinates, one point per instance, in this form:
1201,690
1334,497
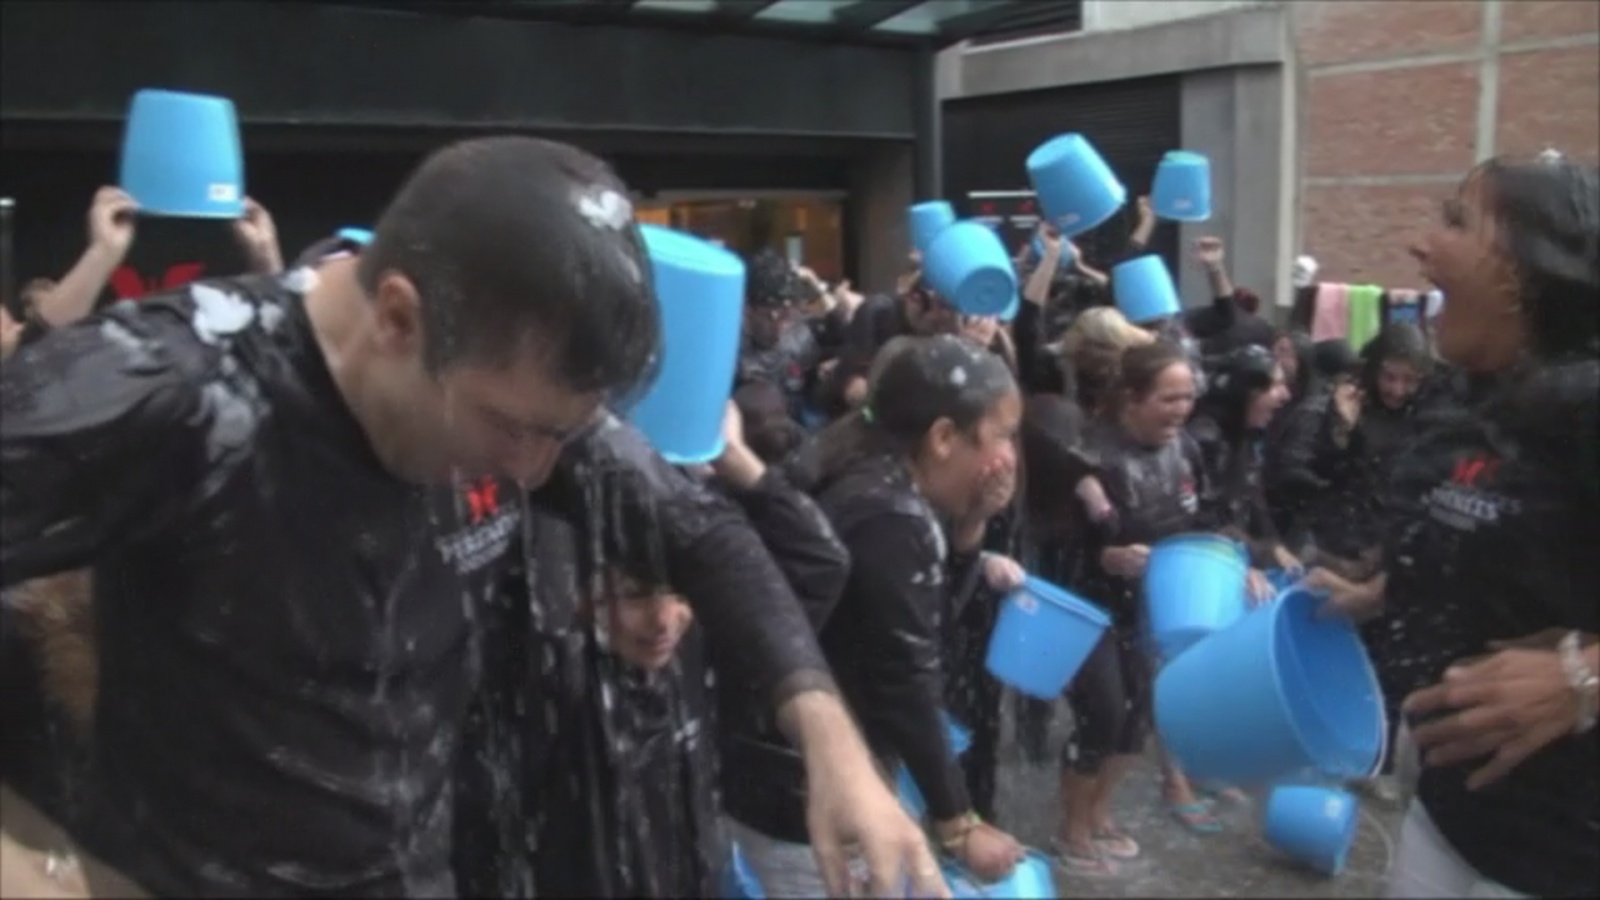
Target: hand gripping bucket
1314,825
1144,290
1279,694
906,787
1194,585
1032,879
1042,637
700,291
969,266
738,880
1076,189
181,156
927,220
1182,188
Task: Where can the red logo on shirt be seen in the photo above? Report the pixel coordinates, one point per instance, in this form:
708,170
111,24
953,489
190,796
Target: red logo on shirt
130,285
483,499
1472,469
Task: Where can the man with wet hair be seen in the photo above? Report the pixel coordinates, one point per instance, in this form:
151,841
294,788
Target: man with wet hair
295,492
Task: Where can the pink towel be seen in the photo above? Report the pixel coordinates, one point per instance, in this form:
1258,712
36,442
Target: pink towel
1330,318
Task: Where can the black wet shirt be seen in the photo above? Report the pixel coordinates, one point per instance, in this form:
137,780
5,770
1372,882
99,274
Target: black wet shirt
1496,524
283,628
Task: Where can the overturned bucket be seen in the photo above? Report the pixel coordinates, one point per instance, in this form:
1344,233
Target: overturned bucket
1194,585
1313,825
181,156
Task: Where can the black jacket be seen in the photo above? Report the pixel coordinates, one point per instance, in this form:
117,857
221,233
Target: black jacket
1235,489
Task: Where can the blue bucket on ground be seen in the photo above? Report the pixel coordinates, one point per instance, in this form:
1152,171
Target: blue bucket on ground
906,787
1144,290
927,220
1316,826
355,236
1076,189
1182,188
1032,879
1194,585
1277,694
700,291
739,880
1042,637
181,156
969,266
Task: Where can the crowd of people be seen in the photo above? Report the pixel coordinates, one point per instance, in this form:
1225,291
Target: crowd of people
347,577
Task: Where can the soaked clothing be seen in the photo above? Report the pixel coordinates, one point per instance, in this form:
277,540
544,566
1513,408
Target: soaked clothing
789,363
282,625
1235,485
1496,514
884,639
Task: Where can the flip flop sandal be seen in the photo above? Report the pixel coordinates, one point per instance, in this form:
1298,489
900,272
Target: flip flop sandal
1196,817
1093,865
1117,844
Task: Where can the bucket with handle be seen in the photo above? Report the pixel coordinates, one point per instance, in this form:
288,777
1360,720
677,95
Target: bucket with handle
1194,585
1032,879
1076,189
181,156
969,266
700,291
927,220
1313,824
1042,638
1144,290
1280,692
906,787
1182,188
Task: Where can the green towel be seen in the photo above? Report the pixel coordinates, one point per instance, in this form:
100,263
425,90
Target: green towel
1366,314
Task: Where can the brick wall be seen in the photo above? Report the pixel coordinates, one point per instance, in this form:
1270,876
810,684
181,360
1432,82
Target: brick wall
1400,98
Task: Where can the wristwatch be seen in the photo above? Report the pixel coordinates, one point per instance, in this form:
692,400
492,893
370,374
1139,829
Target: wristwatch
1583,681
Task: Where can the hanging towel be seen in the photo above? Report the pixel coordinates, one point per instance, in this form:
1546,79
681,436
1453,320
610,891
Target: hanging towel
1363,302
1330,315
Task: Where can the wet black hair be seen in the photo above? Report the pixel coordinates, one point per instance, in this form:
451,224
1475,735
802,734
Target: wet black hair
1548,218
769,431
915,382
1233,380
1396,342
1306,373
517,243
770,281
1332,358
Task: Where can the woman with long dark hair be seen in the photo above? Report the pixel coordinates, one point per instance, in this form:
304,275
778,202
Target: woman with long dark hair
1491,584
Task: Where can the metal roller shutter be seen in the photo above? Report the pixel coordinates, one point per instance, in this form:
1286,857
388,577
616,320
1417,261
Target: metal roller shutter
1132,123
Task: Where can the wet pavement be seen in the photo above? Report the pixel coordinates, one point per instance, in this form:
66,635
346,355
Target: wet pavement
1176,863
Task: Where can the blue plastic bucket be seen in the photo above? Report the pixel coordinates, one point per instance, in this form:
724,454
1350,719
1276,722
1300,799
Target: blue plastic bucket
1182,188
927,220
1144,290
355,235
700,290
969,266
1316,826
906,787
738,880
1277,694
1283,579
1042,637
1076,189
1194,585
181,156
1032,879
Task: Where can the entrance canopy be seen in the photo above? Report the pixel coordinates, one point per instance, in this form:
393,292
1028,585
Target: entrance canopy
936,23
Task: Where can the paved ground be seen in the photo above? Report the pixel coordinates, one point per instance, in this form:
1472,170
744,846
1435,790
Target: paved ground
1176,863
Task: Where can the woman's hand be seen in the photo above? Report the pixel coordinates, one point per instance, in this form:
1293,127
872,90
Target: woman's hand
987,852
1125,562
1287,561
1506,706
111,221
1002,573
1356,602
1347,403
738,465
1259,588
995,489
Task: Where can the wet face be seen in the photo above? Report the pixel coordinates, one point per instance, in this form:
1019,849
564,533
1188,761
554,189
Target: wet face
1156,418
958,462
1397,381
1265,404
509,420
980,330
1283,353
646,625
1480,326
763,325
